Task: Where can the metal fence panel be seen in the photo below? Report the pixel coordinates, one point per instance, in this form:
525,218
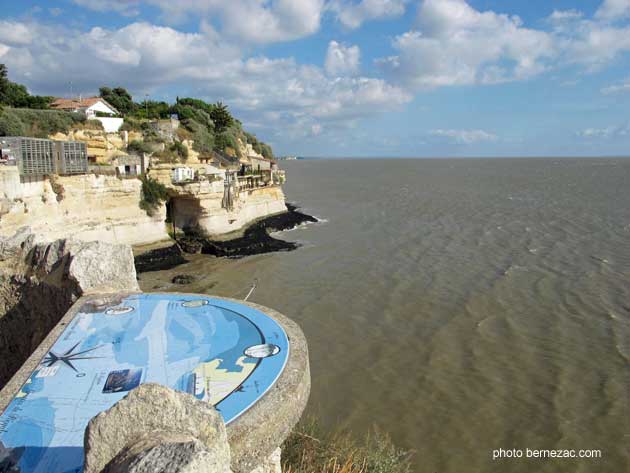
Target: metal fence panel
35,156
71,157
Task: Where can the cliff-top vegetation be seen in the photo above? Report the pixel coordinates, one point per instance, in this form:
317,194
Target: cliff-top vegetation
210,125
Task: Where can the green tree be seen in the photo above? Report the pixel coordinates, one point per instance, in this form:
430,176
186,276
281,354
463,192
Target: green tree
152,110
4,75
119,98
266,151
16,95
221,117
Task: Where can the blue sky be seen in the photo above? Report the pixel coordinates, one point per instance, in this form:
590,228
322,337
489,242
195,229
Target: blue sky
352,78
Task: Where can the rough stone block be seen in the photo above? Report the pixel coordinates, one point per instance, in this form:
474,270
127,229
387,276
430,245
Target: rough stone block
18,244
272,464
151,410
163,452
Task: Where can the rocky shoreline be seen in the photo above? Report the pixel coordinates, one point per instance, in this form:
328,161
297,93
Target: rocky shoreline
255,240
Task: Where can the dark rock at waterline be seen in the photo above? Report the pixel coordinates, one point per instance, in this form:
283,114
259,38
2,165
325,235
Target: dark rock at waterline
256,239
159,259
183,279
191,245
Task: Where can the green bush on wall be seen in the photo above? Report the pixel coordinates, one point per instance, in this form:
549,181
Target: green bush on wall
153,194
180,150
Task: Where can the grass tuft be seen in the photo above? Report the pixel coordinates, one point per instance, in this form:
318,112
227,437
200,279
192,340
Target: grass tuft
308,450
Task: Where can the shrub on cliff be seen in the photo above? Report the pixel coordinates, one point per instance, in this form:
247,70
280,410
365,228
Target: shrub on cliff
259,146
180,150
131,124
41,123
138,147
92,124
203,137
224,141
10,124
308,450
153,194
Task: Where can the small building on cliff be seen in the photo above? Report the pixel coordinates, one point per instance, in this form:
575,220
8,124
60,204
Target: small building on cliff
182,174
94,108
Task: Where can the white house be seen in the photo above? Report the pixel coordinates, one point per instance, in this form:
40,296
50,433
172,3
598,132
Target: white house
91,106
183,174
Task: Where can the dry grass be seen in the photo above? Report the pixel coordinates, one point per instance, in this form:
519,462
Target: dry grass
307,450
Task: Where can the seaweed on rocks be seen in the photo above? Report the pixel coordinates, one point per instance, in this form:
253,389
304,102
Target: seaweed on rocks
183,279
256,238
160,259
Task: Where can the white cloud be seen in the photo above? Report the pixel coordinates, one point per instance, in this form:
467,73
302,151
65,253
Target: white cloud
565,15
592,44
617,88
14,33
260,21
457,45
606,133
342,60
611,10
276,93
465,136
353,15
254,21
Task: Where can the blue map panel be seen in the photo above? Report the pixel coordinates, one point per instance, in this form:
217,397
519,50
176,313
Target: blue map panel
224,353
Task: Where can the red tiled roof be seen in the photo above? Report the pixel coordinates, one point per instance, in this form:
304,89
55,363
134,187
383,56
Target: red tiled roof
73,104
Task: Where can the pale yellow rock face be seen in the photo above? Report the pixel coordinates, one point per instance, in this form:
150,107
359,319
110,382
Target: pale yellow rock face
93,207
107,209
198,204
193,156
101,145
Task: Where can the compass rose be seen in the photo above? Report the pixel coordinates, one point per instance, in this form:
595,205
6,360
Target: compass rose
69,356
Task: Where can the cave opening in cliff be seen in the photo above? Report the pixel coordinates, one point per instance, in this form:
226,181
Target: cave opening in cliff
183,215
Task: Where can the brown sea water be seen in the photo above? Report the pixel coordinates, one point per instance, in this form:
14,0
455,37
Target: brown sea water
460,305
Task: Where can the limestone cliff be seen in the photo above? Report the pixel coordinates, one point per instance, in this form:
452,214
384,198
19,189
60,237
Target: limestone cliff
198,205
106,208
101,146
86,207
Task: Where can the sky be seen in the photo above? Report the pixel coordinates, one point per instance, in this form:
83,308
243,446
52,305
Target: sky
425,78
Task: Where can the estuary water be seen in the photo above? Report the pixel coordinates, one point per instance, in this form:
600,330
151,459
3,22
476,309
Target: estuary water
461,305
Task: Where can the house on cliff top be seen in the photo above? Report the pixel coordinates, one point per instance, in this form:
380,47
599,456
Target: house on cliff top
92,107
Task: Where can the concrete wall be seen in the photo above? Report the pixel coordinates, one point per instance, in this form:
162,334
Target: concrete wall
110,124
12,186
